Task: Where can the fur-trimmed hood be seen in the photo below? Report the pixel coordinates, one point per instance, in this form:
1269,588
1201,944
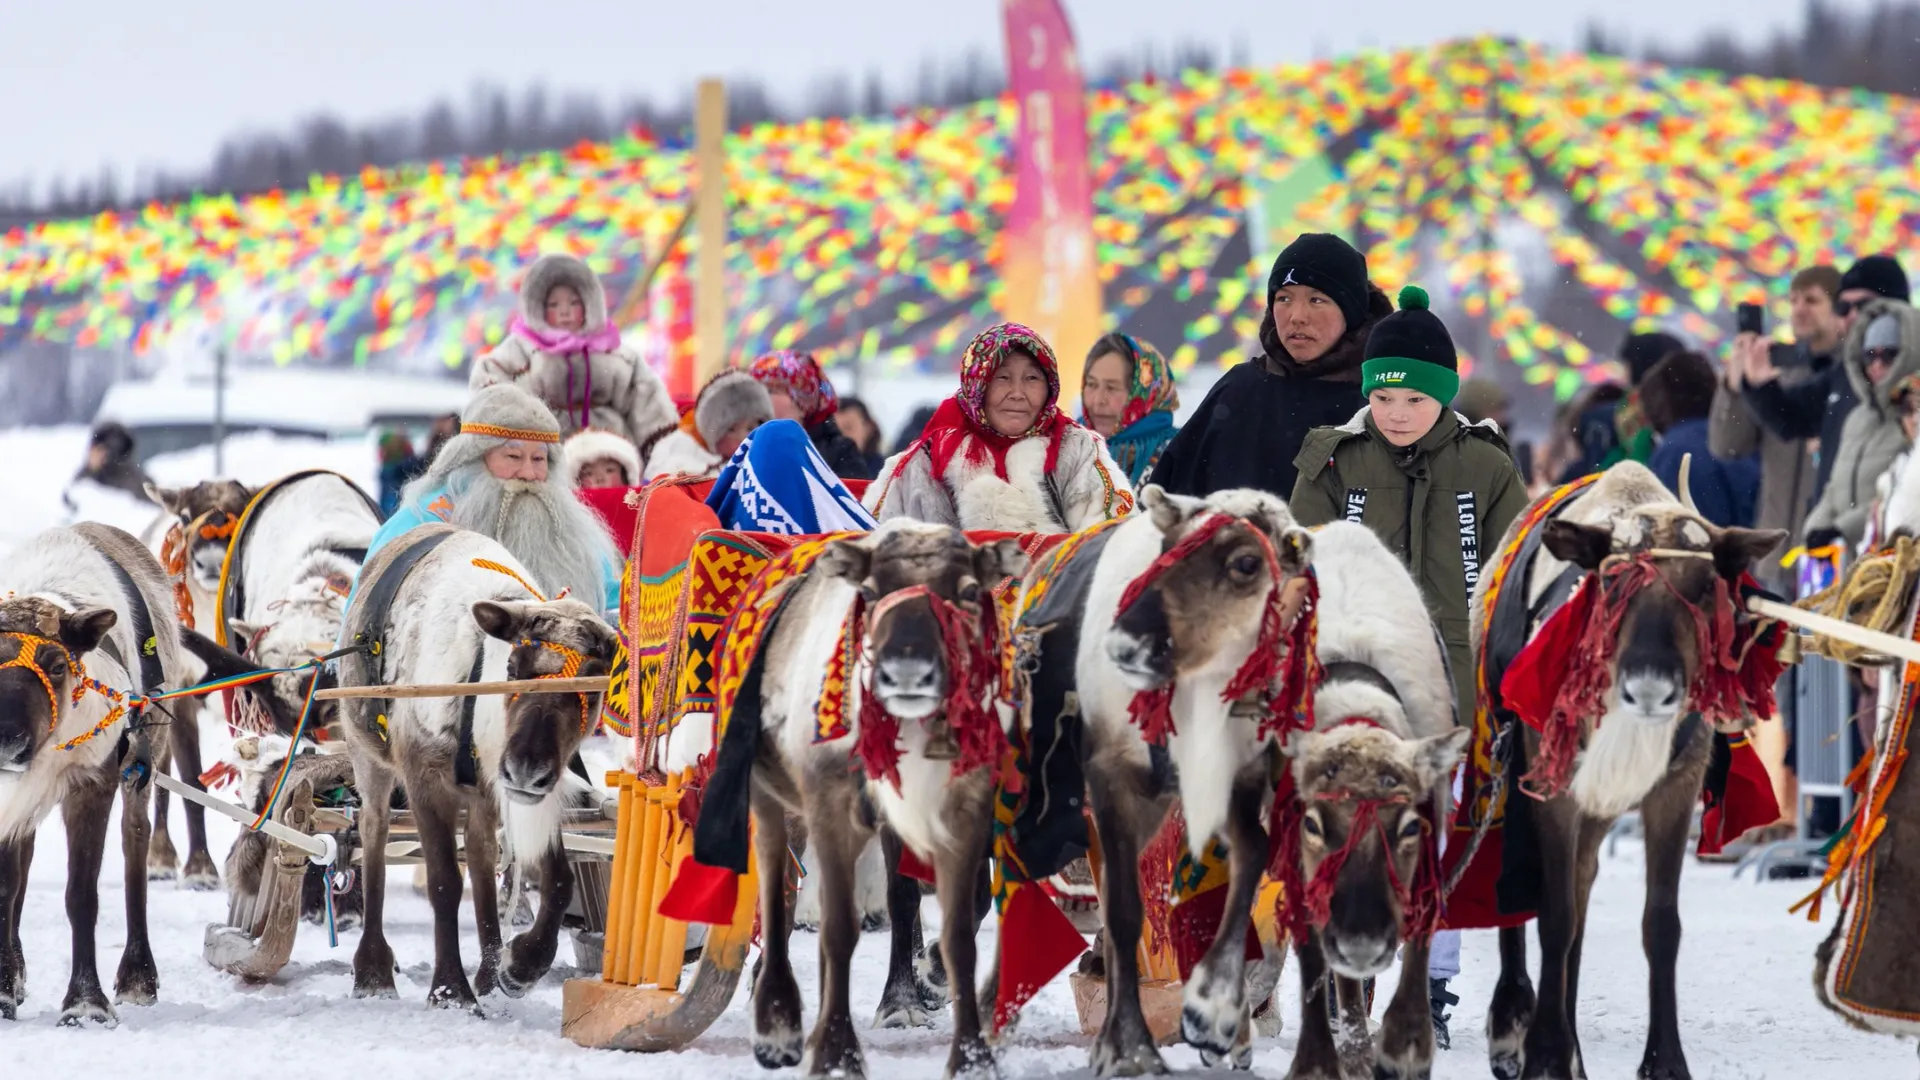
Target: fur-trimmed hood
1855,352
594,444
728,400
557,269
679,453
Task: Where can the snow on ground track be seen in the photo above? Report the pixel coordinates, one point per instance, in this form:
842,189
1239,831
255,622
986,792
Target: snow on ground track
1747,1003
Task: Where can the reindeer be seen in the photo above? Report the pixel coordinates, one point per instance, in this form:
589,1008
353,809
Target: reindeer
1383,749
466,611
190,540
1181,630
288,576
1649,747
923,589
69,651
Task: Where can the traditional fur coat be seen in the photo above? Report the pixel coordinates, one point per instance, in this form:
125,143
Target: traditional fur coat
1086,487
589,379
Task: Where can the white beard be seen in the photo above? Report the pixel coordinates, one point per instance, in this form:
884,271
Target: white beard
549,530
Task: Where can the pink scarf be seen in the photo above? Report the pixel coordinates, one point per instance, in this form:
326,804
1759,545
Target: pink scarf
565,343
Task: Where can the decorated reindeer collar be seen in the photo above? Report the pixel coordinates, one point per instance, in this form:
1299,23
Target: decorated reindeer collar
1287,707
571,658
965,730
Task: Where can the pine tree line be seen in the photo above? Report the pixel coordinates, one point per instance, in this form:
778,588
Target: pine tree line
1877,49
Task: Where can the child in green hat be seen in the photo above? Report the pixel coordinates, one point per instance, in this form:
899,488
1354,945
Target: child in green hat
1437,490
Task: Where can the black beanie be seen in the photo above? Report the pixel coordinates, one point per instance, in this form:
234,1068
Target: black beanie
1642,351
1881,273
1411,349
1324,261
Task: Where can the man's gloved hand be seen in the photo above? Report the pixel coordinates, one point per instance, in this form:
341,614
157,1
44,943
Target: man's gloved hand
1818,538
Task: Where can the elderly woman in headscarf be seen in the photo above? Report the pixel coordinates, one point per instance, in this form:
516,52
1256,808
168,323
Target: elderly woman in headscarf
801,392
562,349
1128,397
1000,454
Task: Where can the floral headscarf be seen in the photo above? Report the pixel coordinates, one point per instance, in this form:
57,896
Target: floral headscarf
1150,385
1146,424
800,373
961,421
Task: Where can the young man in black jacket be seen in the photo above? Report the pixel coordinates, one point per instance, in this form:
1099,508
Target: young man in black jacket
1313,333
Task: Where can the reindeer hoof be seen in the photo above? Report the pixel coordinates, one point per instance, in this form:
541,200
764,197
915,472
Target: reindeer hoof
873,922
1211,1026
89,1011
138,982
200,874
160,872
902,1016
777,1050
972,1063
1505,1062
516,985
1141,1060
450,996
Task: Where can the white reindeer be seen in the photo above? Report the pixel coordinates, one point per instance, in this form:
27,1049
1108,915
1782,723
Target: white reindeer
67,607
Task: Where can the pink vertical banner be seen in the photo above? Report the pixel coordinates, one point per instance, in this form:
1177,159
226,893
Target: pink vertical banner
1049,277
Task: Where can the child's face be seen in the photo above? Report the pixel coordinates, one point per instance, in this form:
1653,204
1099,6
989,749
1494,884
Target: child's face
1403,416
604,473
564,309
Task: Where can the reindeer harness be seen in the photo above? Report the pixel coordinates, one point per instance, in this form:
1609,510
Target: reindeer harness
1278,709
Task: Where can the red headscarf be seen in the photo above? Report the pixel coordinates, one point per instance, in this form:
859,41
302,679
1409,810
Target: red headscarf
800,374
961,421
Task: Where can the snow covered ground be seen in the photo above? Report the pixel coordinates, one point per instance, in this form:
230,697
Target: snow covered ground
1747,1005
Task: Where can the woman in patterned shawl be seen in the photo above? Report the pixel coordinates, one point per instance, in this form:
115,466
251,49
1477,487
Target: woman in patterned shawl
1128,397
802,392
1000,454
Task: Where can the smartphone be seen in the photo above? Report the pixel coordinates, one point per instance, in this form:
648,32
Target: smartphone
1751,319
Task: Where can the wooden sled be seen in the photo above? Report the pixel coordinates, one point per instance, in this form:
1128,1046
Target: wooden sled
642,1000
257,939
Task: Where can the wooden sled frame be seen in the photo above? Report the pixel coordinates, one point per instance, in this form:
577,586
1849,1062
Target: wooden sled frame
255,943
641,1002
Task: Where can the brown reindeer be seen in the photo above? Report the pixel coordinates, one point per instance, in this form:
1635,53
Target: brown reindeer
204,514
923,589
1203,622
1648,747
68,649
453,620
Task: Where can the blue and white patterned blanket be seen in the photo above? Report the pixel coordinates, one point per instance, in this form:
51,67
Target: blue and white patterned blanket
778,483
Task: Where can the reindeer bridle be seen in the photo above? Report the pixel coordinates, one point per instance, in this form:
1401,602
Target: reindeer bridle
970,648
28,658
1309,903
1286,707
1715,690
571,660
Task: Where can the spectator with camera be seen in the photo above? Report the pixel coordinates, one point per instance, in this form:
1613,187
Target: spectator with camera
1788,476
1819,406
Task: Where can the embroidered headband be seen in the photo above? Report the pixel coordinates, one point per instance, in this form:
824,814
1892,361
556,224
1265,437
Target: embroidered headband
498,432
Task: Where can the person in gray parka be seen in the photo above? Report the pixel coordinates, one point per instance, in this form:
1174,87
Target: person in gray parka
1882,348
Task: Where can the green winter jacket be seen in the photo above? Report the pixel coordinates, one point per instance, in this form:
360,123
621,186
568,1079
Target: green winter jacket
1442,505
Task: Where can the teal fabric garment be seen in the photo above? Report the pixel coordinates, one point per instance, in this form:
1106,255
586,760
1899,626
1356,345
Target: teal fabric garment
1136,448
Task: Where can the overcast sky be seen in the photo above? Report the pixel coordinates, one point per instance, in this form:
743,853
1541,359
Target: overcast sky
138,83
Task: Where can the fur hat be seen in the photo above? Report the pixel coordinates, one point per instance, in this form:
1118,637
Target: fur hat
594,444
731,398
1411,349
1882,333
1324,261
550,270
494,415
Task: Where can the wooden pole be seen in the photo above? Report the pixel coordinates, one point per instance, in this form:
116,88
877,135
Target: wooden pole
710,202
591,685
636,297
1885,644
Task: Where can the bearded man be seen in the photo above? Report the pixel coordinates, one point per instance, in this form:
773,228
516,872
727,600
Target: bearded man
504,476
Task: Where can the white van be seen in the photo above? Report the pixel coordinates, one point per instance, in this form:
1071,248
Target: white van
176,414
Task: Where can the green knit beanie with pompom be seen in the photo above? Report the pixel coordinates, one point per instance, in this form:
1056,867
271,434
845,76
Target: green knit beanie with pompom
1411,350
